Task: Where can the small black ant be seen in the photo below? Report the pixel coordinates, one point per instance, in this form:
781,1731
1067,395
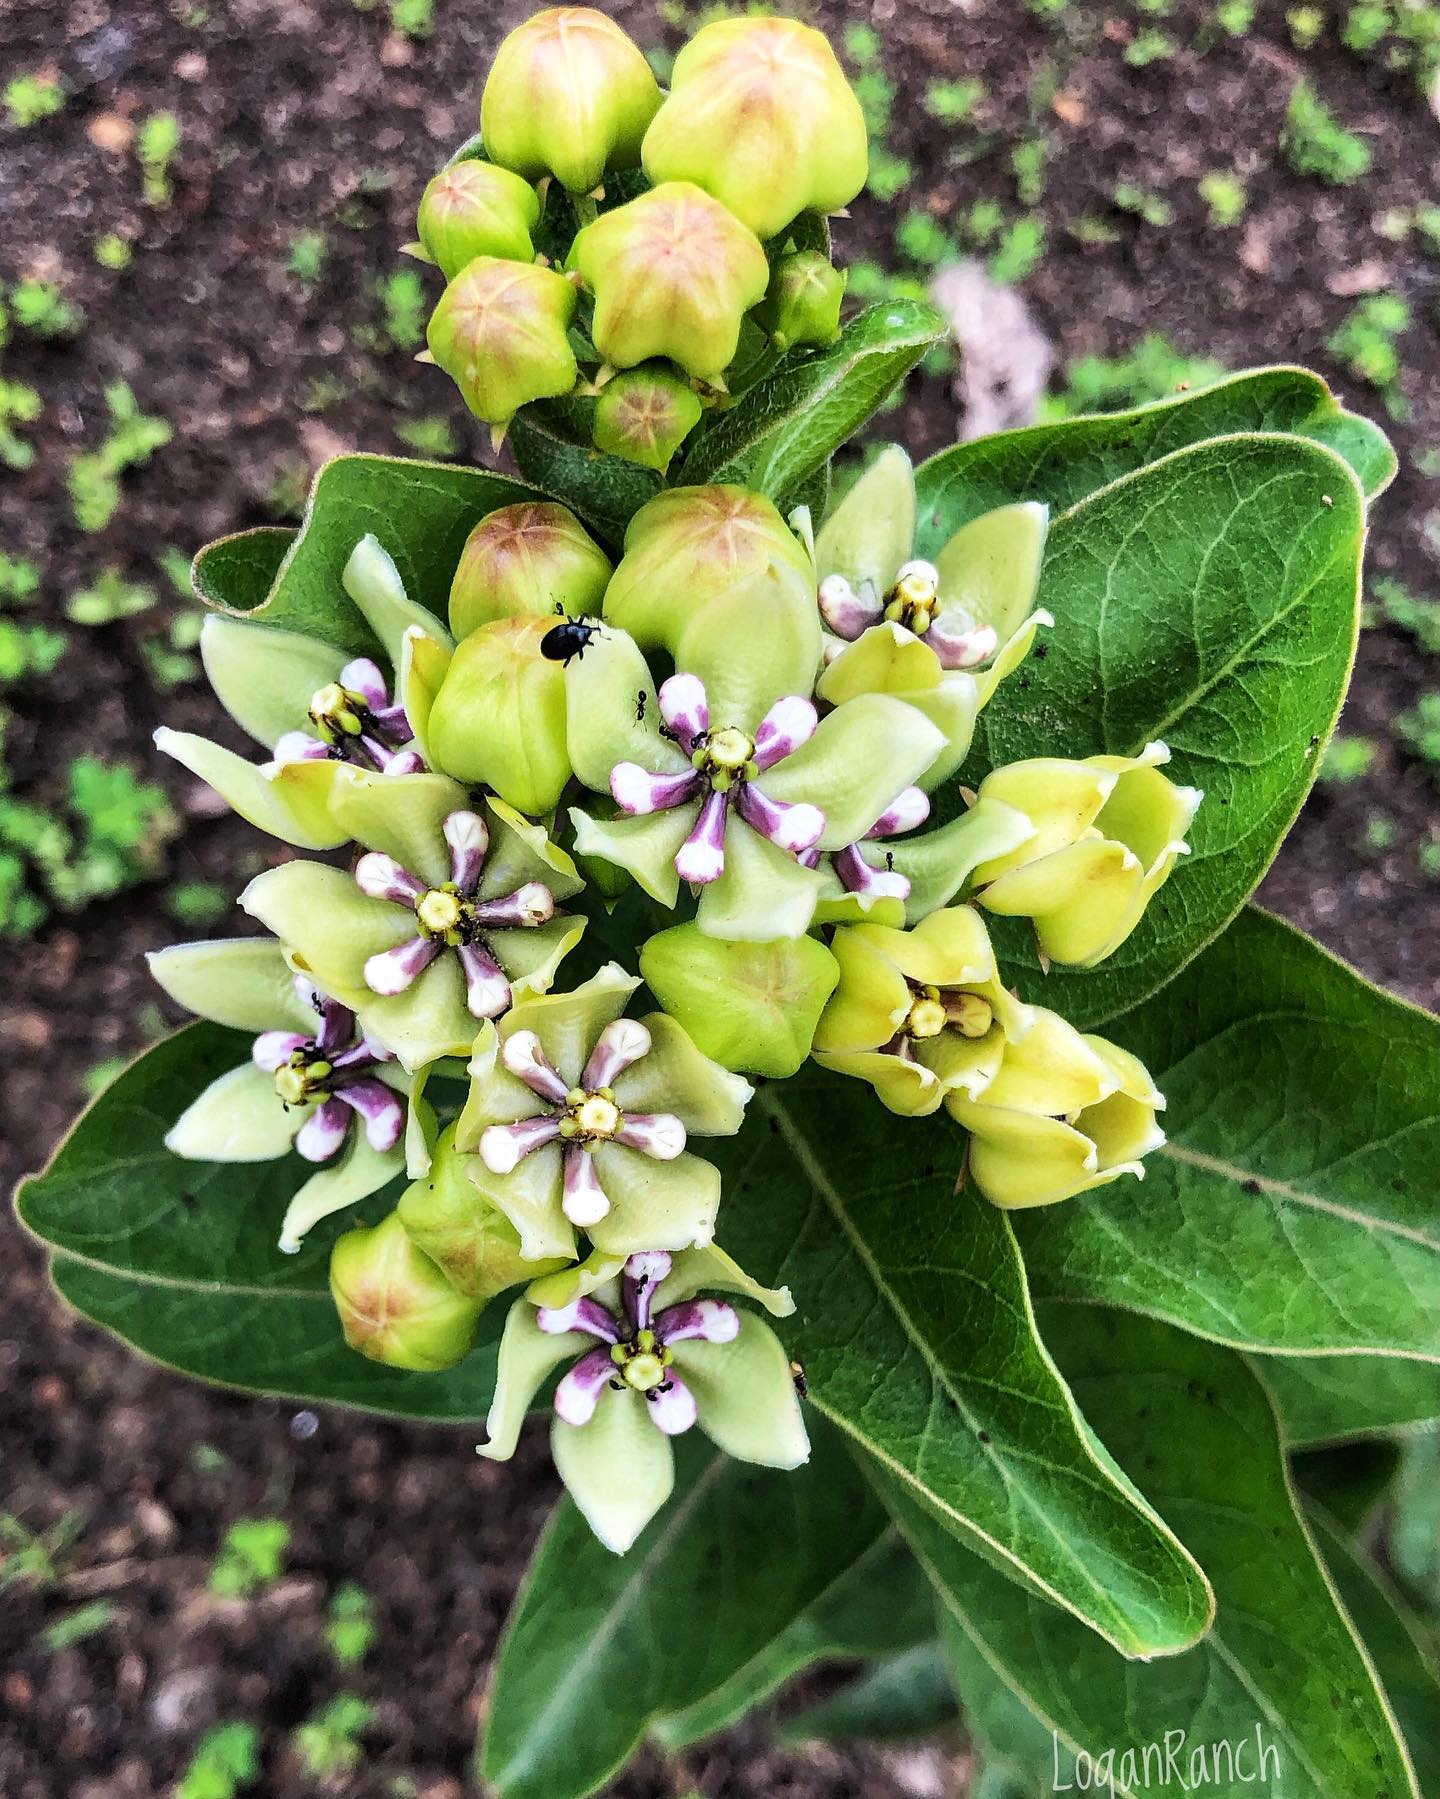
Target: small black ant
640,707
568,640
889,862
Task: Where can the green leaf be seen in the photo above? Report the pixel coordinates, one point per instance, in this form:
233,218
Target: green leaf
794,420
918,1341
236,573
598,1645
1294,1207
880,1605
604,491
1336,1399
179,1258
1190,1420
1403,1654
421,512
1350,1481
896,1699
1064,463
1210,600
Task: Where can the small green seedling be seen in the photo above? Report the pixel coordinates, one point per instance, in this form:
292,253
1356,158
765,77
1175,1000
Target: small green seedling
28,652
156,145
75,1627
252,1555
309,253
1235,17
20,404
1408,612
197,903
94,478
1028,162
31,99
1366,26
36,1556
109,597
112,252
405,306
952,102
889,174
1224,195
41,309
1019,252
413,18
350,1628
1305,24
329,1743
1316,143
1149,207
1147,47
226,1761
1347,759
1419,729
19,580
432,436
1367,342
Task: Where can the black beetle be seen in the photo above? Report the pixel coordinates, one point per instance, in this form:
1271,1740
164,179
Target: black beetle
567,640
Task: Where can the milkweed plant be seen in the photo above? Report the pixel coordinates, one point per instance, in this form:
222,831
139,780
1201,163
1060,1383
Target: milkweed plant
760,976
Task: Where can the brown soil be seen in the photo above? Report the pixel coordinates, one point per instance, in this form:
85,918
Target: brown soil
309,114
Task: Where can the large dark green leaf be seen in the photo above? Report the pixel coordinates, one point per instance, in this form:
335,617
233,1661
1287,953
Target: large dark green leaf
916,1335
897,1698
1209,600
422,512
179,1257
1193,1426
1294,1208
1063,463
789,424
599,1645
605,491
1334,1399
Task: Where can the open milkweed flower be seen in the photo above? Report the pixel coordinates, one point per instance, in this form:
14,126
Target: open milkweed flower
650,1359
726,786
449,914
760,115
578,1119
1058,1120
314,1082
314,707
1108,832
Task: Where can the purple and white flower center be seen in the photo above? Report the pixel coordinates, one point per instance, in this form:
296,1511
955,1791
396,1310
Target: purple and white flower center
911,807
914,603
451,916
726,764
331,1073
355,721
580,1118
635,1351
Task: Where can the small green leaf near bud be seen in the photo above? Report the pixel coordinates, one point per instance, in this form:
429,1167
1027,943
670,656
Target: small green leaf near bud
752,1007
760,115
802,306
535,558
474,208
673,275
569,95
645,415
395,1305
500,333
499,718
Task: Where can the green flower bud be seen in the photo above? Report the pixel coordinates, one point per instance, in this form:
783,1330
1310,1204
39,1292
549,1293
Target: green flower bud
535,558
500,333
673,274
499,718
469,1239
568,95
475,209
645,415
760,115
802,305
752,1007
395,1305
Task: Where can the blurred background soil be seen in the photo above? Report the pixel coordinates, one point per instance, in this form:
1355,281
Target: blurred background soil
234,271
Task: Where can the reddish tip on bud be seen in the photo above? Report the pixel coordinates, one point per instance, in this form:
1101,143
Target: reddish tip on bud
499,332
475,209
533,559
568,95
395,1305
645,415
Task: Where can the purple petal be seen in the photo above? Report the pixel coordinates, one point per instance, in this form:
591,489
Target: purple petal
392,762
323,1131
362,676
524,909
393,970
685,709
701,858
383,878
659,1135
273,1049
844,611
524,1056
643,1273
795,828
958,643
788,724
299,746
579,1391
487,991
469,839
503,1145
380,1108
857,876
907,810
337,1027
711,1320
585,1202
392,723
580,1315
671,1406
617,1048
637,792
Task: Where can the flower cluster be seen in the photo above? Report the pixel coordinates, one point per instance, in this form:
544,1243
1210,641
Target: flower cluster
752,734
563,278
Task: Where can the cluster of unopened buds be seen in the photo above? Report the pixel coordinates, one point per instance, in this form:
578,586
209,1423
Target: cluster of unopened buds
760,729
